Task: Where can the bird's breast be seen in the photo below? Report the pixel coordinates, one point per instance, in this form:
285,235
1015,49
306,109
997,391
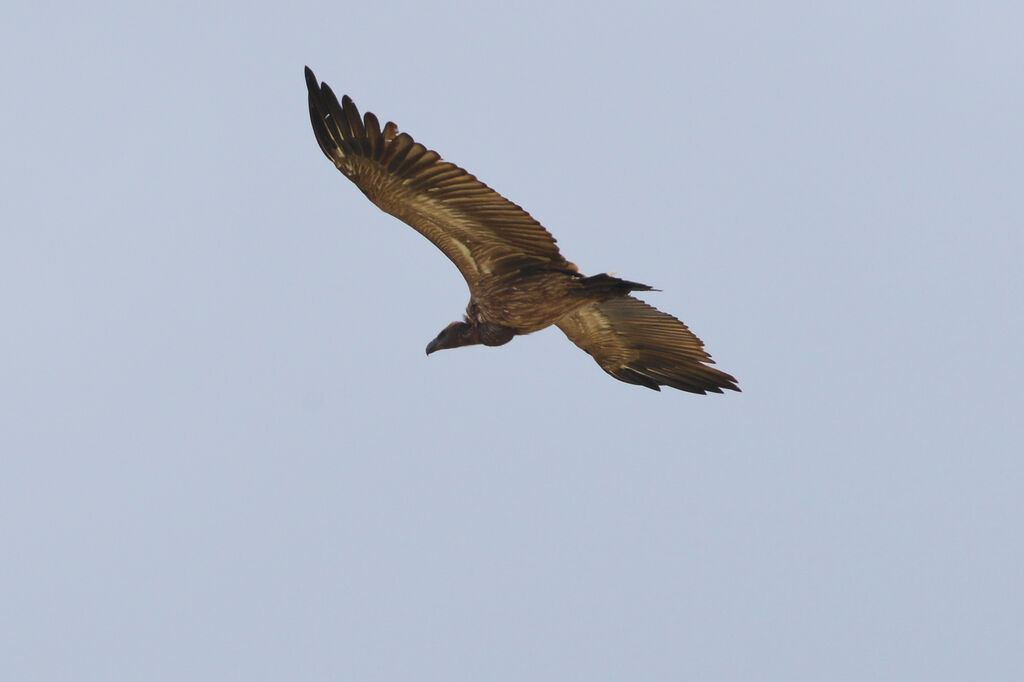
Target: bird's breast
525,303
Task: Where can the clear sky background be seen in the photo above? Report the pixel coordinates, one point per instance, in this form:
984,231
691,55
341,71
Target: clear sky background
225,455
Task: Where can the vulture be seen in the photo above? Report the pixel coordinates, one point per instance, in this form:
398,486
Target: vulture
519,282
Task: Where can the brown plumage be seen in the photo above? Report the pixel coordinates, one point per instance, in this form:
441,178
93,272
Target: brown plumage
518,281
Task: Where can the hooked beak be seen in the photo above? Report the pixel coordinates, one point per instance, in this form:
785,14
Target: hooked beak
454,335
440,342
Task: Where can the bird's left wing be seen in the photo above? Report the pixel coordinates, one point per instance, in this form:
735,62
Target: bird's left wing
482,232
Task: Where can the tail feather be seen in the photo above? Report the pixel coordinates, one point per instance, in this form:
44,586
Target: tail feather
606,286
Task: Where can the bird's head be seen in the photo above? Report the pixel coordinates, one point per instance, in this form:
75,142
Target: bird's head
454,335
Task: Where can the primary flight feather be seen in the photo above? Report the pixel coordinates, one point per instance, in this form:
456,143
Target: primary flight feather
518,280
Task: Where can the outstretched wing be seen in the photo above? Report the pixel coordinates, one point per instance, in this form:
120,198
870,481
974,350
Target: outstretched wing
482,232
639,344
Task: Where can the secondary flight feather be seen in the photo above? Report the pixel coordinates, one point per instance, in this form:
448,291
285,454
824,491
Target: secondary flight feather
518,280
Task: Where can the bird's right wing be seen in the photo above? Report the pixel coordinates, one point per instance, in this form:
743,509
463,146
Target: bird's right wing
639,344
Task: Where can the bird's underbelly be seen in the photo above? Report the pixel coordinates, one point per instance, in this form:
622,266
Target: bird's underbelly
524,321
524,309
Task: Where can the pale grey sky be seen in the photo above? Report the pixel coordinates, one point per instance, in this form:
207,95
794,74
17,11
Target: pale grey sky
225,456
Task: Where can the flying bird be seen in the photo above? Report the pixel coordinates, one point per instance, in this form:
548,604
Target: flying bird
519,282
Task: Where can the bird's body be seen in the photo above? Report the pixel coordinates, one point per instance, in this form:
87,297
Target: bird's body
518,280
532,301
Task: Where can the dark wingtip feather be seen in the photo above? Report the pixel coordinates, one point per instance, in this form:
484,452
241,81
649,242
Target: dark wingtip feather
311,84
355,122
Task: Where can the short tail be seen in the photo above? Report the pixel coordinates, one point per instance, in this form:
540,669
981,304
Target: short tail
605,286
